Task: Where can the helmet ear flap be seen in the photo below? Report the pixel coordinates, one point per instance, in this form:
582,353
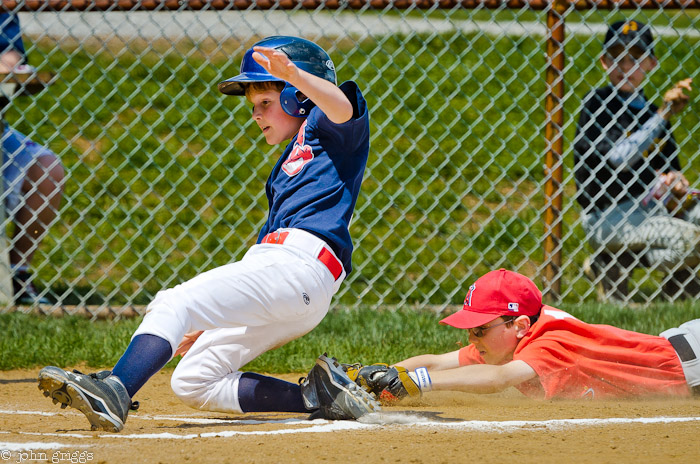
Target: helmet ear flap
289,99
305,54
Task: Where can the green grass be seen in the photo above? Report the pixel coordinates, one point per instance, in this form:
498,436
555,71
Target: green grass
165,176
365,335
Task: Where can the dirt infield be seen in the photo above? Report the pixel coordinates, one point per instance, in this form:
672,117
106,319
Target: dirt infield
440,428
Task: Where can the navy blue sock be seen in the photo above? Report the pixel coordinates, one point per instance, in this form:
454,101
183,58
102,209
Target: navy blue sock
145,355
257,393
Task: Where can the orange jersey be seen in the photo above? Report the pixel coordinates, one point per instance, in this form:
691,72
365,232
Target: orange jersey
574,359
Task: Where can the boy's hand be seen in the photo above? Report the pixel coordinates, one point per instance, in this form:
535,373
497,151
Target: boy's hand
677,182
187,342
675,99
276,63
322,92
682,197
388,383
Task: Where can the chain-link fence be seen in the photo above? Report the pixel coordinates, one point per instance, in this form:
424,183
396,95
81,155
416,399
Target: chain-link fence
164,176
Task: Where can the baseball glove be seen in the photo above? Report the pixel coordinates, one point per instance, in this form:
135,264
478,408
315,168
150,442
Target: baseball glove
331,394
389,384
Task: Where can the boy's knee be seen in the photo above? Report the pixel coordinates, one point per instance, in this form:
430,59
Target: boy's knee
189,390
47,173
166,317
206,391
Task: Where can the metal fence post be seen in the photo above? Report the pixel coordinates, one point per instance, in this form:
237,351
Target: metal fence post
554,114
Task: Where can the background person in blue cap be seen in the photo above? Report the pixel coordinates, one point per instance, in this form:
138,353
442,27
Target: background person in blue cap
628,175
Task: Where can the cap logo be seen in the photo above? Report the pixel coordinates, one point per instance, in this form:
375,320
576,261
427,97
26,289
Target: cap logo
468,299
630,26
329,65
513,307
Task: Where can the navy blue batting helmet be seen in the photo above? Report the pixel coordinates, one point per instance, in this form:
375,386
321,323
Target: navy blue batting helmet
303,53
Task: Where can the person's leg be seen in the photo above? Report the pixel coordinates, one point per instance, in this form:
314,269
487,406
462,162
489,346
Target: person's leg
682,283
610,264
259,393
685,339
42,189
33,182
688,278
145,355
654,237
271,286
693,213
667,240
209,378
672,245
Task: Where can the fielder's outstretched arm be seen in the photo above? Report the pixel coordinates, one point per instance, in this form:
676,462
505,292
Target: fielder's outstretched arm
433,362
482,378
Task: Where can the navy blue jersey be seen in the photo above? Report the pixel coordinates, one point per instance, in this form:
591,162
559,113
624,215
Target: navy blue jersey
315,183
10,35
607,118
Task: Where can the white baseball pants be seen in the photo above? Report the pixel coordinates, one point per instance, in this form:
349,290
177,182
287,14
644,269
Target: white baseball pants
275,294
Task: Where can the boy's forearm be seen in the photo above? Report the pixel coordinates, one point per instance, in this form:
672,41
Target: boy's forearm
469,379
432,362
415,362
482,378
326,95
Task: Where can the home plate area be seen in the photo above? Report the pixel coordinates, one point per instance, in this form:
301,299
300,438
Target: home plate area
440,427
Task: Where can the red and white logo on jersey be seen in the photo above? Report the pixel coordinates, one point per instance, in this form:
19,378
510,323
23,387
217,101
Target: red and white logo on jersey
301,155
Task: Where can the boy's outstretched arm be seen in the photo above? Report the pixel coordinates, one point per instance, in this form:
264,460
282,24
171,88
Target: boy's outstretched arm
482,378
432,362
326,95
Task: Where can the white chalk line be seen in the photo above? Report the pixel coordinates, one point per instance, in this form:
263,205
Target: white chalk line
203,420
371,421
34,413
509,426
189,419
38,445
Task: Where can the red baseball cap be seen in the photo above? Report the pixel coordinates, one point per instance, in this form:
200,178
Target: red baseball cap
497,293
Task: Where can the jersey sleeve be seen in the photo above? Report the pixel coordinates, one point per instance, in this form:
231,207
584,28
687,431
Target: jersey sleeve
470,355
350,134
548,359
